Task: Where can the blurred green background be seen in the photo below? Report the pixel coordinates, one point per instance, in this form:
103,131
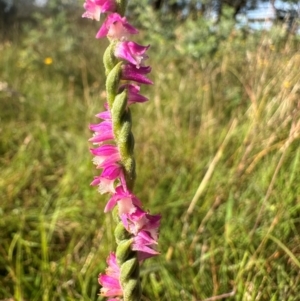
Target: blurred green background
217,151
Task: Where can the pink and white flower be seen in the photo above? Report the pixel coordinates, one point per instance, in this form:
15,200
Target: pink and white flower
116,27
110,281
144,228
94,8
127,202
131,52
105,155
145,245
106,181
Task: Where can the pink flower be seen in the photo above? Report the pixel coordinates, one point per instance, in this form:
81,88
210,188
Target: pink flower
133,94
144,227
116,27
106,115
110,282
126,201
132,52
141,220
131,72
107,178
144,245
105,155
103,131
95,7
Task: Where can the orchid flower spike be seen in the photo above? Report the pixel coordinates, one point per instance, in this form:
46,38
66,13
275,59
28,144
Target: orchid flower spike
137,231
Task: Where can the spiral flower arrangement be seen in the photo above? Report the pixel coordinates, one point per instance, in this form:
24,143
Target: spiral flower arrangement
136,230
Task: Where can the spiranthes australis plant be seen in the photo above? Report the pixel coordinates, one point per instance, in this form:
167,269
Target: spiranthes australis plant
136,230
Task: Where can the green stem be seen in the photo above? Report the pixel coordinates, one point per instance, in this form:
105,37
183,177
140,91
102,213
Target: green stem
121,6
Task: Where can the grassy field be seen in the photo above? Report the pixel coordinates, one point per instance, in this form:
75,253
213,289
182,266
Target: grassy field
217,151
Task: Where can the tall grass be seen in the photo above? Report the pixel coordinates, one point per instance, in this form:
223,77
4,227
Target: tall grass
217,150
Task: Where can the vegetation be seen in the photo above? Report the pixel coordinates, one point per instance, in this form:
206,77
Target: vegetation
217,150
